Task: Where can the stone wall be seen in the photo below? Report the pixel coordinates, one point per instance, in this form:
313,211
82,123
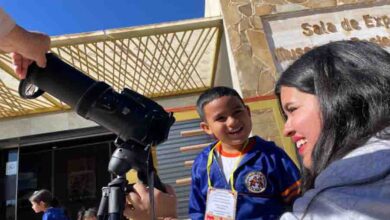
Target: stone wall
253,60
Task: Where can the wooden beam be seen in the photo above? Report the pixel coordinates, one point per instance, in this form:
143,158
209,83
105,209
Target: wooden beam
188,163
183,181
194,147
191,133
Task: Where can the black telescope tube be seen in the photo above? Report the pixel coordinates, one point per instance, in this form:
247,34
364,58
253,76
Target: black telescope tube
60,80
128,114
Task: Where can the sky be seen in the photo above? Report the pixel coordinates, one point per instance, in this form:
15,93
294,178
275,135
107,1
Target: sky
58,17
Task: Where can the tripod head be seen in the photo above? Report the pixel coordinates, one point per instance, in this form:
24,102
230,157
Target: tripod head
138,121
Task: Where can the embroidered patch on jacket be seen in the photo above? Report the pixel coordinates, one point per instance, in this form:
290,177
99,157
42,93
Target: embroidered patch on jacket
256,182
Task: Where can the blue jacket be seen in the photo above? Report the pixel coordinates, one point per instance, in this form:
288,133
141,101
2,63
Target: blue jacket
354,187
282,181
54,214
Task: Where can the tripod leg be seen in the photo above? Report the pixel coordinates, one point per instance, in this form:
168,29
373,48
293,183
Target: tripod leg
151,175
102,212
116,202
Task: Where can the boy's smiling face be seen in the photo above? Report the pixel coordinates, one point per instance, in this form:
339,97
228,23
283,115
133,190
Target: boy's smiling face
228,119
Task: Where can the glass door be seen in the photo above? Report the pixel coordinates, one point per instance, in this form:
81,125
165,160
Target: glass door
74,171
8,183
80,173
34,173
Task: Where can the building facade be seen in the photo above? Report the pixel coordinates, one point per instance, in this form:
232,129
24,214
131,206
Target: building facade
243,44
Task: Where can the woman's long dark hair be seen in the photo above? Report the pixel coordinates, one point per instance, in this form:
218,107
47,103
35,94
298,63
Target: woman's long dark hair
351,80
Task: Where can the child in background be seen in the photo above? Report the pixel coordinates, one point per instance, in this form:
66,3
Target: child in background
43,201
238,177
89,214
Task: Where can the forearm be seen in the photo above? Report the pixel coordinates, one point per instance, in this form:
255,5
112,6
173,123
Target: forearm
6,23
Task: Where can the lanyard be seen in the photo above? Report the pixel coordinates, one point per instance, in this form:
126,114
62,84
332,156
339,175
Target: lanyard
210,161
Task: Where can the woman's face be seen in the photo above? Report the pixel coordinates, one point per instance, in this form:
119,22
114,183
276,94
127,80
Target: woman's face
303,123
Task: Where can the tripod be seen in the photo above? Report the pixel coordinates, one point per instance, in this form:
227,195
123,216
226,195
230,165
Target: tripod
128,155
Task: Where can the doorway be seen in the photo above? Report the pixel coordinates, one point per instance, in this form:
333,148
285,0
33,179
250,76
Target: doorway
74,171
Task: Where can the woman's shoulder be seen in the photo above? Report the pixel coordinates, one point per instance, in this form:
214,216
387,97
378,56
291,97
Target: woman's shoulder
364,164
344,202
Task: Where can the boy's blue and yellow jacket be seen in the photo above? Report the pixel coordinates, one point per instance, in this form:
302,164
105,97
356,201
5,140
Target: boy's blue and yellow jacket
266,198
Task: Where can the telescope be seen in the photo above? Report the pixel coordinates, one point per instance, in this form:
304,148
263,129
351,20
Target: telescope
138,122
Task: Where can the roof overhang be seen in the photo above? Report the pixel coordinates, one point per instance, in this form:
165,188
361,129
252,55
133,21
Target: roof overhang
161,60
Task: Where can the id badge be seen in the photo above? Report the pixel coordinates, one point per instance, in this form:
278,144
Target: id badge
220,204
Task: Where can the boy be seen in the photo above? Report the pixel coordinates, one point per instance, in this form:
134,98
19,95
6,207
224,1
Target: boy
237,176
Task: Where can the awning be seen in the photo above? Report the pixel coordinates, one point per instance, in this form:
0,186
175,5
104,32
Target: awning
160,60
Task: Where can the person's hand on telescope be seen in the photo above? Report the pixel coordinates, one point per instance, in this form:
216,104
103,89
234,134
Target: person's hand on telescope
138,205
26,47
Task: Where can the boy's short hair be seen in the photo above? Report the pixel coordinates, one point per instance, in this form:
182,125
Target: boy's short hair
212,94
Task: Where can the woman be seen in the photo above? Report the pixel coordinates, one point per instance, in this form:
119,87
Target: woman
43,201
336,99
